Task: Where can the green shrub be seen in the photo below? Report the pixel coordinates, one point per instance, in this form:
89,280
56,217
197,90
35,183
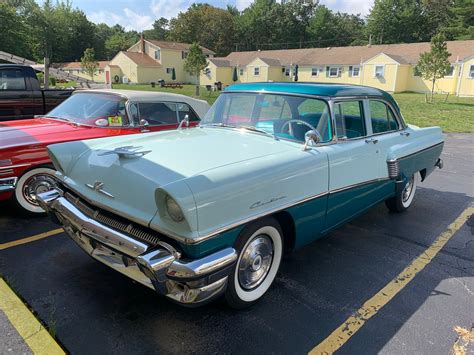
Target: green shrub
52,81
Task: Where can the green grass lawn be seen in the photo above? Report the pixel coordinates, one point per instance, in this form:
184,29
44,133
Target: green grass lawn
456,115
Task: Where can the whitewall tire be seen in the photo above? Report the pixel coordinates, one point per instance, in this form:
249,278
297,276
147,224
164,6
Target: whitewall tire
260,248
30,184
403,200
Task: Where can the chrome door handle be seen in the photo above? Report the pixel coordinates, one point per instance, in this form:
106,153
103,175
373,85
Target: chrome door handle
406,134
372,140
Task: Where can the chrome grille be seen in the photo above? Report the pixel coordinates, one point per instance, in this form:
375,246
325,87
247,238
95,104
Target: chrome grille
113,221
393,169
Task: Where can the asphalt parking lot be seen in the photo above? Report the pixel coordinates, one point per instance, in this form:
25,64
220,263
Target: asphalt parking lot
91,309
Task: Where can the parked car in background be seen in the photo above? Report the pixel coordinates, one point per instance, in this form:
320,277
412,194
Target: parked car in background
21,96
206,211
26,169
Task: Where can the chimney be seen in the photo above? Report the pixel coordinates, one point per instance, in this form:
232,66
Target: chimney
142,43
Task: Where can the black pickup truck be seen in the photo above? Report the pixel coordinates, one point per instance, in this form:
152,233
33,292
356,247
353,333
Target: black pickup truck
21,95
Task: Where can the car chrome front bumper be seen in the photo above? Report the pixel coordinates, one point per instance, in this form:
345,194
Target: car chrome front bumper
159,267
8,184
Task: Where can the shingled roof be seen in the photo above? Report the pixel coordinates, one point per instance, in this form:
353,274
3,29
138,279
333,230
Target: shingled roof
177,46
78,65
141,59
404,53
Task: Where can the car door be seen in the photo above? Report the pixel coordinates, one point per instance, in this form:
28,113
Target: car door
385,128
354,177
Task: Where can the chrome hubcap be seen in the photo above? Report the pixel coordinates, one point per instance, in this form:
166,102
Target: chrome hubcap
37,184
255,262
408,189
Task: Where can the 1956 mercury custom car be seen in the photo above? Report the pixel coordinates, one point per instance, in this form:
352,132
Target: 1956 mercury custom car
205,211
25,168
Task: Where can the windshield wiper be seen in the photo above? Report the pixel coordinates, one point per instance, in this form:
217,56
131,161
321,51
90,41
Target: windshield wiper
258,130
218,124
69,120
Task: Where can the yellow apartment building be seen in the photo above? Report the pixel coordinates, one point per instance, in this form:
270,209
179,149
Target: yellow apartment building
389,67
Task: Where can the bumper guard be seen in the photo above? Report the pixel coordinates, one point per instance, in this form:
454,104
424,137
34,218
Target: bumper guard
159,267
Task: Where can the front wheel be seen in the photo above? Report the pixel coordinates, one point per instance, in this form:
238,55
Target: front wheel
403,200
260,247
31,183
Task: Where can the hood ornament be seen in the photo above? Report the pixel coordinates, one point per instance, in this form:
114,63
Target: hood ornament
97,186
128,151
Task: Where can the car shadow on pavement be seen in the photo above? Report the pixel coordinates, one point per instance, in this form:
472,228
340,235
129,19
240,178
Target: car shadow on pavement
95,309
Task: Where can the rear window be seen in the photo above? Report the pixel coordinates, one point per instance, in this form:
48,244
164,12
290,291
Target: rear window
12,79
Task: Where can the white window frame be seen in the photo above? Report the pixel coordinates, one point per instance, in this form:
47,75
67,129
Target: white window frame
470,72
382,73
184,55
337,72
287,71
241,71
358,71
158,57
256,71
452,73
169,70
314,71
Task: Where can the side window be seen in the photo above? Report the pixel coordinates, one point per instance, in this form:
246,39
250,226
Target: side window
12,79
349,119
382,117
183,110
158,113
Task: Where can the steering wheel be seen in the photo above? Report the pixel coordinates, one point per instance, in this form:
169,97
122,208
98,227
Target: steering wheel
290,128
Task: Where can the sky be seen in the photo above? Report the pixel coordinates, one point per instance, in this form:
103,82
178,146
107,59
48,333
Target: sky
140,14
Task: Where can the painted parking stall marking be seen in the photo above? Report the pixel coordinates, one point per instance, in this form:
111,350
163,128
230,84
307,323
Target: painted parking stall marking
370,308
31,239
30,329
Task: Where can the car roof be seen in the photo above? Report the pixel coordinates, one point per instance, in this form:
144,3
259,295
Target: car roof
306,88
142,96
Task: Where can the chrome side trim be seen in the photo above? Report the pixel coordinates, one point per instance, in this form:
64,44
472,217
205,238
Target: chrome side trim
349,187
13,166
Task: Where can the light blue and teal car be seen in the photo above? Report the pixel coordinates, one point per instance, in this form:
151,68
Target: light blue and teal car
207,211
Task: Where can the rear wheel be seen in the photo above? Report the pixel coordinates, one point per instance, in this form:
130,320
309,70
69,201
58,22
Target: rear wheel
260,247
31,183
403,200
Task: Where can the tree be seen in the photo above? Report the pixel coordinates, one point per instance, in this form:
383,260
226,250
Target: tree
88,62
173,74
434,65
210,26
13,32
160,30
461,25
234,75
195,63
397,21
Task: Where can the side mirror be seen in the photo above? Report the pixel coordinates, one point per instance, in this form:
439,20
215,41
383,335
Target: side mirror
311,137
184,122
143,125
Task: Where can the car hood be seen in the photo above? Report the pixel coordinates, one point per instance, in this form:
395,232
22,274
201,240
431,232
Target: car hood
169,158
44,131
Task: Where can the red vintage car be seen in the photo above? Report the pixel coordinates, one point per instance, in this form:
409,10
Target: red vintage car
25,167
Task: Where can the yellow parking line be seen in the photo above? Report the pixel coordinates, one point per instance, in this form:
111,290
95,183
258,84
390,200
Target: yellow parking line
29,328
30,239
352,324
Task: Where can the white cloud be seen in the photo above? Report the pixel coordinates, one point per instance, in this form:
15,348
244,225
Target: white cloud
350,6
128,19
243,4
169,8
136,21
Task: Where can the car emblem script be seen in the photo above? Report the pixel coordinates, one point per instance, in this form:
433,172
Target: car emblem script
97,186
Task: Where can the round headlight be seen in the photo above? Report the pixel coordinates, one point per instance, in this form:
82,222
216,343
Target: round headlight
173,209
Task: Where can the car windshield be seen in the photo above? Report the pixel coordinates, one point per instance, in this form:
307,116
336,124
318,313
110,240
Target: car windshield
283,116
96,109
